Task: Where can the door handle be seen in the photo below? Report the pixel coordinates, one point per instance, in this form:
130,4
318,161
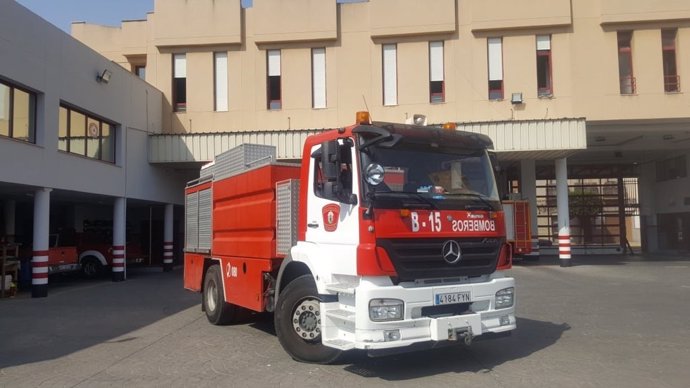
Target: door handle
313,224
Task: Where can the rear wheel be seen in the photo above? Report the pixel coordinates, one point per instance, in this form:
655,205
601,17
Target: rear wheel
298,323
91,267
218,311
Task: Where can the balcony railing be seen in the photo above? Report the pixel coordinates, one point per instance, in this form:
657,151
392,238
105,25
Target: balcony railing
671,83
627,84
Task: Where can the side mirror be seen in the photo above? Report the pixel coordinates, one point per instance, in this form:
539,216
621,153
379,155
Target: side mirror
330,160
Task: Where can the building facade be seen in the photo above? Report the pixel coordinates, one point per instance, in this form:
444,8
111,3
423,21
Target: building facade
74,130
270,70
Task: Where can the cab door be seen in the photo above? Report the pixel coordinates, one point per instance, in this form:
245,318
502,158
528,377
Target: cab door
332,206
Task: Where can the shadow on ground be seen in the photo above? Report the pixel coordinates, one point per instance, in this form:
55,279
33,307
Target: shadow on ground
481,357
78,313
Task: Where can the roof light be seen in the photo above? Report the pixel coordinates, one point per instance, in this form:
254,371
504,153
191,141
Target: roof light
450,126
363,117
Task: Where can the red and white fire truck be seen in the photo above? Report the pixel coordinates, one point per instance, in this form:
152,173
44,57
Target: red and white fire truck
388,237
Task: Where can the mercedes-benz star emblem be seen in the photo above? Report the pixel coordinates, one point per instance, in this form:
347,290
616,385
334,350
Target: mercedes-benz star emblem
451,252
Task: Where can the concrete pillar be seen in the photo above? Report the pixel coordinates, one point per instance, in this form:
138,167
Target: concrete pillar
646,187
9,210
563,212
168,238
119,249
528,187
39,262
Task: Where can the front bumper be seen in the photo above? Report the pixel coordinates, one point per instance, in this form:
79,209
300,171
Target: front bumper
348,327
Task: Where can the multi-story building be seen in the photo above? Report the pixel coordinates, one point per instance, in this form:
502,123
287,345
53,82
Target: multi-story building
531,71
583,99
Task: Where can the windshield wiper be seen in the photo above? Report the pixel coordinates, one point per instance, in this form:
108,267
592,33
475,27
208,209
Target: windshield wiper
421,198
486,205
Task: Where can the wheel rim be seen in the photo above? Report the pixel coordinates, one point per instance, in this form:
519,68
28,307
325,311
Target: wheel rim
306,320
89,268
211,297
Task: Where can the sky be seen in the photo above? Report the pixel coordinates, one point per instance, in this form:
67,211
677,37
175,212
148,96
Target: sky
62,13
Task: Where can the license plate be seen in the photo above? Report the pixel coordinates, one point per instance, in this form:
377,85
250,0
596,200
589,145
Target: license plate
453,297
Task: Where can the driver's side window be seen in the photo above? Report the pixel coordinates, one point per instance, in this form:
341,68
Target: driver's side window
335,184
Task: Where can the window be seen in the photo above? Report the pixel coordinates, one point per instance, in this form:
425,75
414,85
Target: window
179,82
495,54
318,78
17,113
273,93
140,71
544,83
84,134
670,169
220,80
625,68
390,74
668,47
436,79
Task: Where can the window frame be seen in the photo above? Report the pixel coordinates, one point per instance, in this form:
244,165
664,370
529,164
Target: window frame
626,51
31,116
88,118
389,100
274,82
671,81
433,84
218,81
545,91
314,80
496,89
179,106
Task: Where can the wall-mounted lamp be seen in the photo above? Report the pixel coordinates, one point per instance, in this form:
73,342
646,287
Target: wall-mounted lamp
516,98
104,77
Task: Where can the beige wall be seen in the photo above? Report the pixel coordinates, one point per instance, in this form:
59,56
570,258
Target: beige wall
584,55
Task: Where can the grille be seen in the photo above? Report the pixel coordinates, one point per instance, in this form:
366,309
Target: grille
415,259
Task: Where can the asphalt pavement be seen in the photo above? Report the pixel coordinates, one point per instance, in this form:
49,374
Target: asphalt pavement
619,321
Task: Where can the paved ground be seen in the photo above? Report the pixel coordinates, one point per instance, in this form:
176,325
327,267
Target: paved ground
605,322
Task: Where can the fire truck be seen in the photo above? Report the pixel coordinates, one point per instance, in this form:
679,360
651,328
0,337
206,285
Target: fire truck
387,238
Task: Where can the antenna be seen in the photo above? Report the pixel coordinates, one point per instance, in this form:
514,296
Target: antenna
371,118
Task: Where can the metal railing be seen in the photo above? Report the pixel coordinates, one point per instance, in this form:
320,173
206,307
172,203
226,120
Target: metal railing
671,83
628,85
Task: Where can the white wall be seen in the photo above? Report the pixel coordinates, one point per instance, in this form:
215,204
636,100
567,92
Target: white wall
42,58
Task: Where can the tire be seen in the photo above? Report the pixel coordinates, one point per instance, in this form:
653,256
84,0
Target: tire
91,267
298,323
217,310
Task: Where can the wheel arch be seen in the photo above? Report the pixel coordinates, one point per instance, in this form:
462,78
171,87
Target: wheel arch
208,262
93,253
289,271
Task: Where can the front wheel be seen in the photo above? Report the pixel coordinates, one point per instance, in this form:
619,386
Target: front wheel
218,311
91,267
298,323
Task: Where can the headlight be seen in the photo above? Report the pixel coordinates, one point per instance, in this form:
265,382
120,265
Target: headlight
374,174
381,310
505,298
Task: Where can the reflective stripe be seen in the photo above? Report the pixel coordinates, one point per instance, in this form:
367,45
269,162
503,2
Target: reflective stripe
118,269
118,252
39,281
167,261
118,261
39,259
36,270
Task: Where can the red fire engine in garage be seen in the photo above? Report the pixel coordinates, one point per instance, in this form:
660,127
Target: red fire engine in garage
387,237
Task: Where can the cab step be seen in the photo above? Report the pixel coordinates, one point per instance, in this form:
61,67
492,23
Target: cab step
341,344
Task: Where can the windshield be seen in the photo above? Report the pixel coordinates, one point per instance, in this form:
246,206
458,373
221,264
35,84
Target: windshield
431,176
